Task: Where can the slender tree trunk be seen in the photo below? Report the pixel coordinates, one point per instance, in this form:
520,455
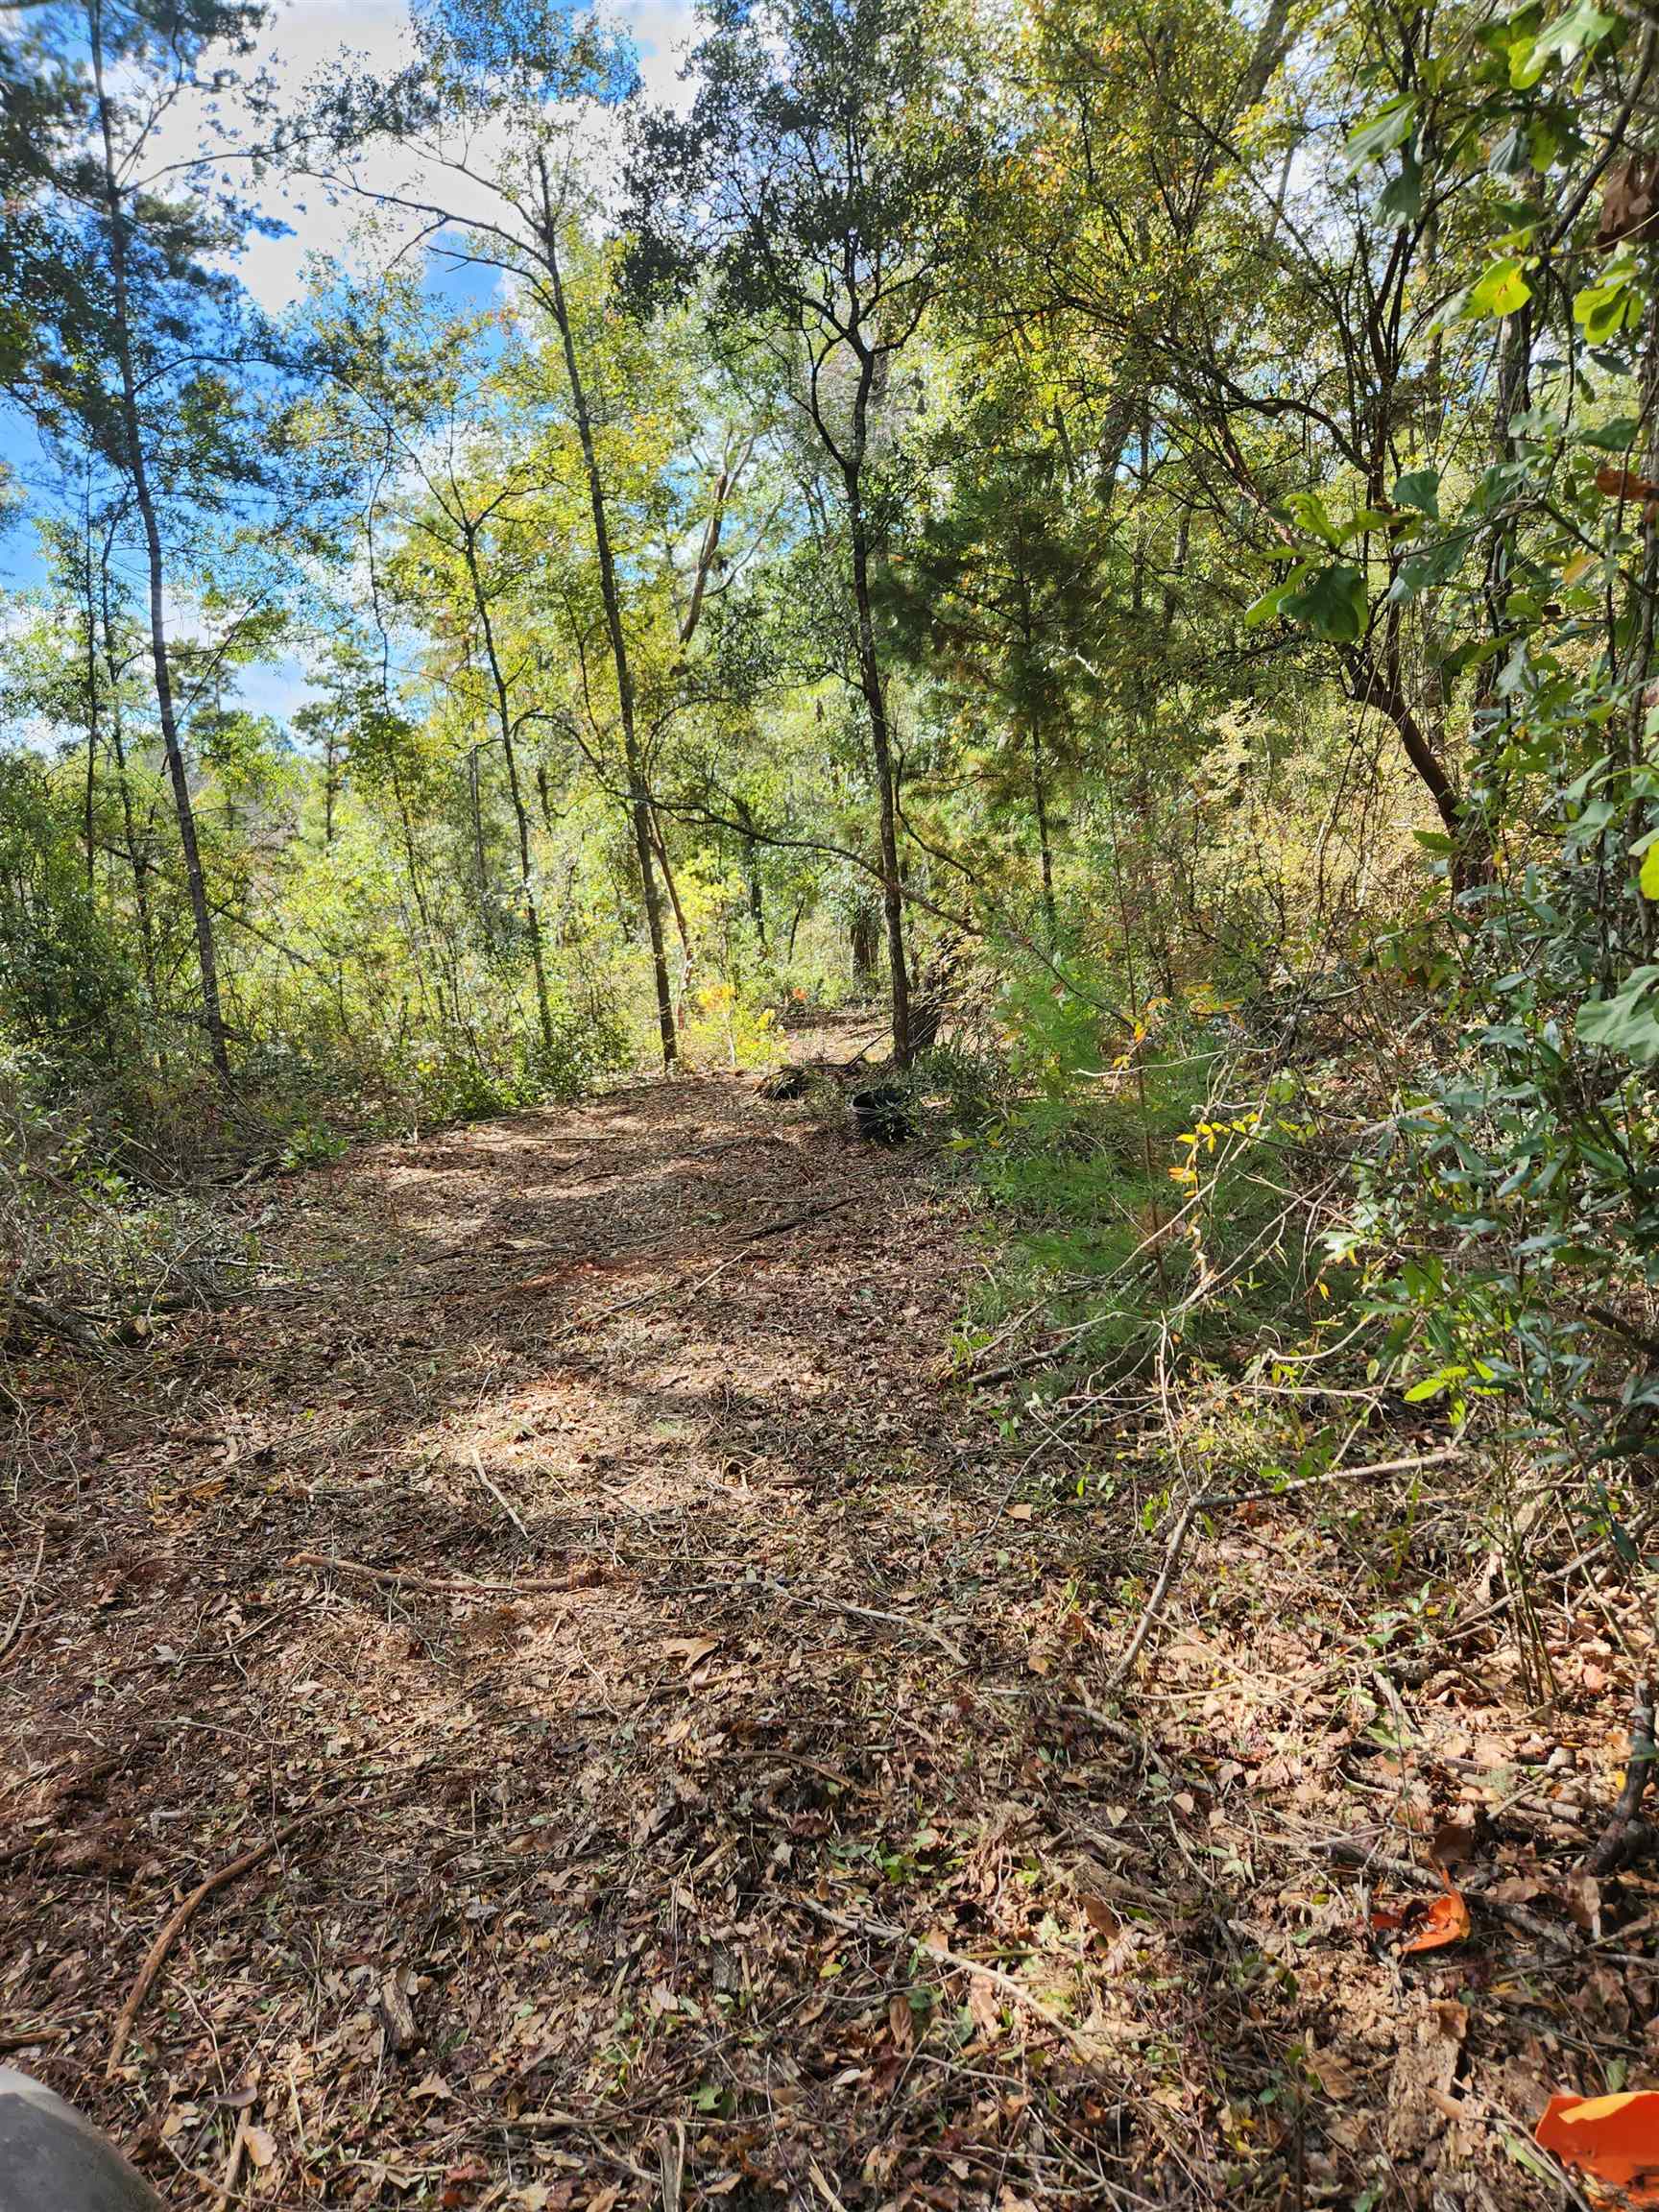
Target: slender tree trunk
207,953
90,800
638,798
880,743
751,868
660,846
520,813
134,855
478,867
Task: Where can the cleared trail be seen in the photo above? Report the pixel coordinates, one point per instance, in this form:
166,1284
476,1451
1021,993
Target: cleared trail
571,1526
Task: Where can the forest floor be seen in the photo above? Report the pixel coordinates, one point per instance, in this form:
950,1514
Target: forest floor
684,1748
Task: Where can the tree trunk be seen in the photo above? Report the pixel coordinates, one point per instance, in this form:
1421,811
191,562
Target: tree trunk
478,867
660,846
520,814
881,746
90,800
638,798
751,870
212,1014
135,856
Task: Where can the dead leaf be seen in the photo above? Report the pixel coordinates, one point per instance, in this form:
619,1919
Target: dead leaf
1101,1915
1613,2141
901,2023
1454,1845
433,2085
1333,2072
260,2146
1621,484
690,1649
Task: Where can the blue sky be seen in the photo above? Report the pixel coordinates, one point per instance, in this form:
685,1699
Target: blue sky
303,39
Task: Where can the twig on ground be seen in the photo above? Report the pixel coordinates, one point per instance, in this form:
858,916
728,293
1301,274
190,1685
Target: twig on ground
1221,1502
505,1506
645,1298
806,1214
232,2162
680,1283
846,1606
178,1919
15,1625
1624,1834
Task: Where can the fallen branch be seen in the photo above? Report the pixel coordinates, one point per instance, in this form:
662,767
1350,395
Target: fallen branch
352,1571
680,1283
796,1220
174,1926
1624,1834
1217,1501
666,1290
14,1628
506,1507
884,1930
818,1604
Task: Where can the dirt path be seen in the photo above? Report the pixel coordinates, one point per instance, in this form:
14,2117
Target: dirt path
620,1859
694,1735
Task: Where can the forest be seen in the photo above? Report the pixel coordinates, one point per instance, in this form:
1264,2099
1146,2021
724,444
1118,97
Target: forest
828,1137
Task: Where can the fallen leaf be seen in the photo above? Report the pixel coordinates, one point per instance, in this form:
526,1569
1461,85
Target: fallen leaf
1101,1915
690,1649
1454,1845
1610,2140
901,2023
1333,2072
260,2146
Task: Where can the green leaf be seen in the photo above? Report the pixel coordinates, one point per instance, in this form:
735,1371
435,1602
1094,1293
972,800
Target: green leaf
1309,511
1648,879
1401,199
1626,1025
1580,30
1265,608
1368,518
1603,310
1332,604
1431,1385
1390,127
1527,62
1613,437
1420,487
1500,292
